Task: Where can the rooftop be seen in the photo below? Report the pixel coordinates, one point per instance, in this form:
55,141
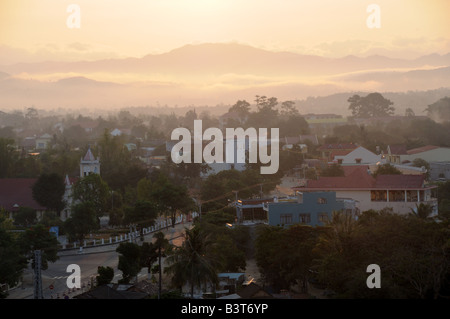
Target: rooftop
337,146
17,192
422,149
359,178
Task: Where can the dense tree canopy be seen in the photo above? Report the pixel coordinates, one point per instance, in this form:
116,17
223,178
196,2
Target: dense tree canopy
372,105
49,191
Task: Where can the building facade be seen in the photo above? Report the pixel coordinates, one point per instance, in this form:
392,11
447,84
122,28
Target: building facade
400,192
313,209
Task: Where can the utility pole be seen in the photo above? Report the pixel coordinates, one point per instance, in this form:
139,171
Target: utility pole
236,204
37,275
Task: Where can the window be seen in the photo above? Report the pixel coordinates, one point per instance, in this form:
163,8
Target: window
358,160
321,200
304,218
323,217
378,196
286,219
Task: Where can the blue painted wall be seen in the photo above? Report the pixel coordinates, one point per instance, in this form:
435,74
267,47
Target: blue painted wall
310,205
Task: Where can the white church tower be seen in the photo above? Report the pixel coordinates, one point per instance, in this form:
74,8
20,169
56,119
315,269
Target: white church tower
89,165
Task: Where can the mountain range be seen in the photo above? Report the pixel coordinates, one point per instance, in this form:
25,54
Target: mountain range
210,74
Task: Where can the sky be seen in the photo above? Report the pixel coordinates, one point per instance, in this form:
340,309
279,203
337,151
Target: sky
32,31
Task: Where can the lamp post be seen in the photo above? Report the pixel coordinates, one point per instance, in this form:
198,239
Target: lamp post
236,204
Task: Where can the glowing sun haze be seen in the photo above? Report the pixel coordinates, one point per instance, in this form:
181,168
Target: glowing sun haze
135,28
136,43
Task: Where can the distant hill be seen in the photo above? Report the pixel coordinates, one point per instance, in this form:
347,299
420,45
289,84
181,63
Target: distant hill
220,58
218,73
337,103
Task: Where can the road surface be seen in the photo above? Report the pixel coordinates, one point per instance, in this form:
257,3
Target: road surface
56,275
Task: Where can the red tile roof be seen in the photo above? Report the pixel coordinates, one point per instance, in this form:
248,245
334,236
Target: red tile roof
398,149
355,177
358,178
400,181
17,191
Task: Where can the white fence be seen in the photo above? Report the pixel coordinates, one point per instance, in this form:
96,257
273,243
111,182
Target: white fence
130,237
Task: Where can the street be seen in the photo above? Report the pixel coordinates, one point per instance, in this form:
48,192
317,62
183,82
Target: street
56,276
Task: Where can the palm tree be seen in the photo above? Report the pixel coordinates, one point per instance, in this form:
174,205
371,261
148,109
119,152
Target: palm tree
189,263
422,211
155,251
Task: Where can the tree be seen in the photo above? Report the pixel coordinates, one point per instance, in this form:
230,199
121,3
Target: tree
266,114
82,221
332,171
409,112
150,252
372,105
170,198
105,275
119,168
226,250
26,216
6,157
241,107
189,263
288,108
440,110
412,252
39,238
422,210
293,125
129,261
143,213
49,191
92,189
12,261
418,162
386,169
285,256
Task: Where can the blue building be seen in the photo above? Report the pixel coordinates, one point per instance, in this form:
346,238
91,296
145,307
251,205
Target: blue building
313,209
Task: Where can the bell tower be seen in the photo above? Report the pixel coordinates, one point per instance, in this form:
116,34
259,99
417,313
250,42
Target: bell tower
89,164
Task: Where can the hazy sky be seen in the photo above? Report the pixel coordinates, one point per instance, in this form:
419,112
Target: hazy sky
32,30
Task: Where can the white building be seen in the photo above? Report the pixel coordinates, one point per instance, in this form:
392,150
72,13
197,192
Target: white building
89,164
400,192
359,155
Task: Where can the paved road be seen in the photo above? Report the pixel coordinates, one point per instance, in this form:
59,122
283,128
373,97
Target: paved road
56,274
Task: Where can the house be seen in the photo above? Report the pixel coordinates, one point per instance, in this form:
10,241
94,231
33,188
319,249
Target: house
16,193
288,143
310,208
395,152
357,156
229,282
119,132
439,171
254,291
112,291
400,192
252,210
429,153
43,141
28,143
328,151
309,138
